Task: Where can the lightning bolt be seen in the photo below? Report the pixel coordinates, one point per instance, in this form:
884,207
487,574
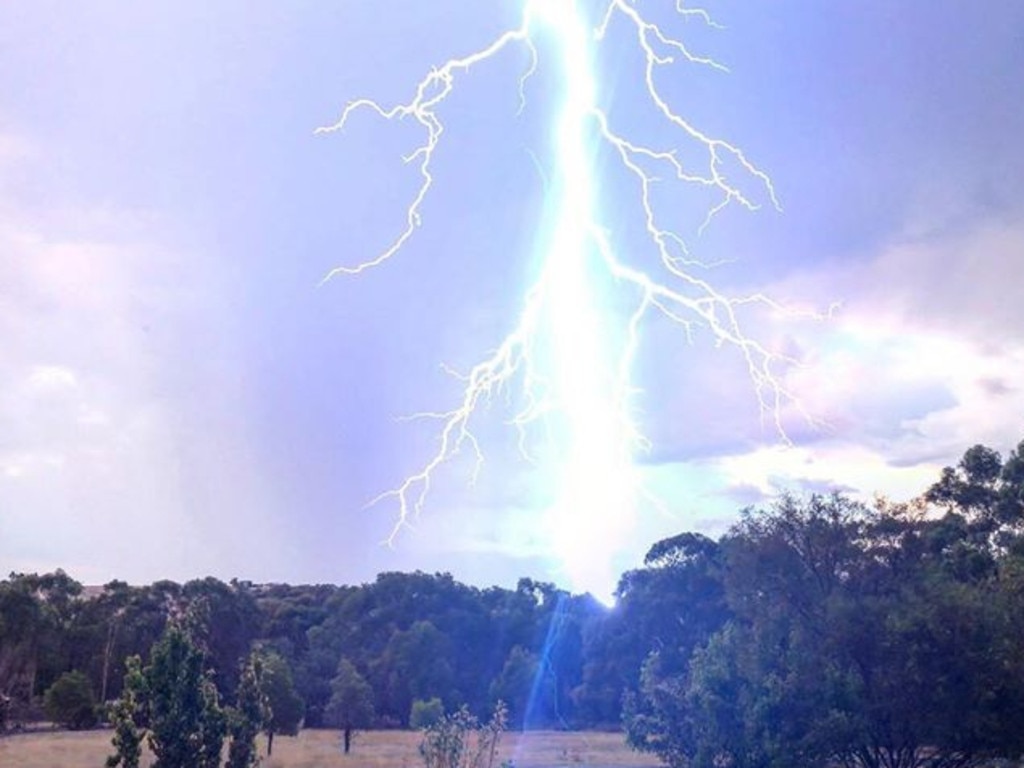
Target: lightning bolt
568,358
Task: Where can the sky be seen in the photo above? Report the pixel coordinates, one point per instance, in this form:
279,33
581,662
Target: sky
180,395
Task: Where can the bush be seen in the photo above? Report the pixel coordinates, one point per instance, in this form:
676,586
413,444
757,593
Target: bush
459,740
70,702
425,713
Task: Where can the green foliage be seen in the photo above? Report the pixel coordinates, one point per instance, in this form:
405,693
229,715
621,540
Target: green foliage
669,608
125,715
413,665
37,613
984,489
249,716
228,623
70,702
214,726
459,740
417,635
858,638
516,682
186,724
351,704
425,713
285,706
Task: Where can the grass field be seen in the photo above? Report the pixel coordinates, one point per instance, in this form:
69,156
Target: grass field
321,749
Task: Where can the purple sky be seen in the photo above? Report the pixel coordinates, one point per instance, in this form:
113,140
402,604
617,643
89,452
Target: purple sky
179,398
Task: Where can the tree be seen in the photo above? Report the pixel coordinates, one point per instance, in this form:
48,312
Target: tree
857,639
286,707
70,701
21,620
351,703
667,610
517,682
230,621
186,724
125,716
249,715
413,665
984,489
214,726
36,612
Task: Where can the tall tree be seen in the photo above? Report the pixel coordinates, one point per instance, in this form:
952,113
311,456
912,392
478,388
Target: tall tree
515,684
351,704
37,614
983,489
249,716
286,707
413,665
186,724
21,623
229,622
126,714
668,608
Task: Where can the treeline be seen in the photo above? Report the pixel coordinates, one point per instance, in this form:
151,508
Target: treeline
410,636
815,631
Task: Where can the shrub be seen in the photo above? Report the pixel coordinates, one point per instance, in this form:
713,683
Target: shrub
70,702
459,740
425,713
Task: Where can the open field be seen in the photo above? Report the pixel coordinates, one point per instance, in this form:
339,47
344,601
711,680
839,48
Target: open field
321,749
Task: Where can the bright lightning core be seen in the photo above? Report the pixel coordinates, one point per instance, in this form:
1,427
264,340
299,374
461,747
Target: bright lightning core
566,362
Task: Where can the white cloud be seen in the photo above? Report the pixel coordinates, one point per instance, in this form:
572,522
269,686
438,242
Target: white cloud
78,423
823,468
51,378
116,420
925,358
938,316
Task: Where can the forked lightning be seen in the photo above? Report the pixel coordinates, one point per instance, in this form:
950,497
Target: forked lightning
567,360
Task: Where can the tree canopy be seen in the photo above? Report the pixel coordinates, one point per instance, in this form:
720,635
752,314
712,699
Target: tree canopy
855,636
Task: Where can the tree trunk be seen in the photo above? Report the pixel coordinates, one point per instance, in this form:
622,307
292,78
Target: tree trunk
270,742
32,677
108,649
348,739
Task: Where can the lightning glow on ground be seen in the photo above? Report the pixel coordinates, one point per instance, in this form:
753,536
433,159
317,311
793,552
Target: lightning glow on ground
566,364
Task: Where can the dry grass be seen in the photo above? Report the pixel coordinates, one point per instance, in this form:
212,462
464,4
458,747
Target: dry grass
321,749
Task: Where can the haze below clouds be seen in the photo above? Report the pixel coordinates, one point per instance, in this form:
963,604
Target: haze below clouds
180,398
